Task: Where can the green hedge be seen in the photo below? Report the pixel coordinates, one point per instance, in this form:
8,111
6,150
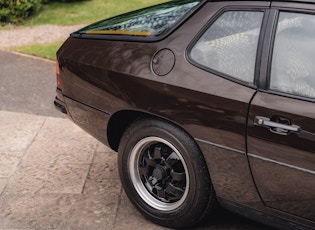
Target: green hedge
15,11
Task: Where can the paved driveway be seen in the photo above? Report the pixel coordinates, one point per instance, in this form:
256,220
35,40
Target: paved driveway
52,174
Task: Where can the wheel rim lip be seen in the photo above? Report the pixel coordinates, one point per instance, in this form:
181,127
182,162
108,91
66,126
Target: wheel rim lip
133,168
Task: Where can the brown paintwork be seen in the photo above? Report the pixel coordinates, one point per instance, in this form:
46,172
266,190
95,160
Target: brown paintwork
286,181
101,78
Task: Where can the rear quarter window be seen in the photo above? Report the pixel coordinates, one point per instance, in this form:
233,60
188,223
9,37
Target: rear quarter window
229,46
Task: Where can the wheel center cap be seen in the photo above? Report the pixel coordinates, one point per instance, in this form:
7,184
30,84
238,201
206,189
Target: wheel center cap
159,173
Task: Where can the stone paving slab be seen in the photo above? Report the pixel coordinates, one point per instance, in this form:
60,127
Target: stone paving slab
55,176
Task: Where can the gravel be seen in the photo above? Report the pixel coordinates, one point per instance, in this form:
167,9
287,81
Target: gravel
37,34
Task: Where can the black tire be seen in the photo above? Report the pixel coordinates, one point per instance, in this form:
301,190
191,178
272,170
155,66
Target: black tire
164,174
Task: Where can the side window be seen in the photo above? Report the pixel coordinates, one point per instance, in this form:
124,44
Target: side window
229,46
293,60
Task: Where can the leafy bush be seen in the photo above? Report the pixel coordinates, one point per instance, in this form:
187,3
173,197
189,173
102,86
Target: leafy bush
65,0
15,11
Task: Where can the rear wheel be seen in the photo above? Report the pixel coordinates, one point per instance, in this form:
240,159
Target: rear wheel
164,174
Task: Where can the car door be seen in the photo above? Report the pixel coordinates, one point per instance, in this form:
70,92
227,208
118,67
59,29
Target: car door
281,126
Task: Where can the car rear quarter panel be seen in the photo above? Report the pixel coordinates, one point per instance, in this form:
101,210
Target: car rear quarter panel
102,77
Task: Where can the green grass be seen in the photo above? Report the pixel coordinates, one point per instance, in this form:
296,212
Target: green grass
82,12
73,13
40,50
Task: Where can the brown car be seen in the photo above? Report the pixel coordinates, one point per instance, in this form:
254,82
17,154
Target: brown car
206,102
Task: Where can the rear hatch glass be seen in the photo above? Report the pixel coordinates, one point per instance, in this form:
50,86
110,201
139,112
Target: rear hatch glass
154,21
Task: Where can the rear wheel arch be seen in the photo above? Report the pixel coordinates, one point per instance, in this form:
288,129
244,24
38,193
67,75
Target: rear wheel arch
118,123
121,120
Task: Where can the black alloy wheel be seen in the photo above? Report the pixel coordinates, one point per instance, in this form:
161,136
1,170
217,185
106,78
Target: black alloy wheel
159,173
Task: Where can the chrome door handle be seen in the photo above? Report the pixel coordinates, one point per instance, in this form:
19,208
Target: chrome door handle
276,127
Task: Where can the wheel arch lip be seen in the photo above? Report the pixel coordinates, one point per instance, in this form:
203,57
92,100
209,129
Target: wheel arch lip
120,120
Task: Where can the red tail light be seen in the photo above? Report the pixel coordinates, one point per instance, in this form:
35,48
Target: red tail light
58,75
